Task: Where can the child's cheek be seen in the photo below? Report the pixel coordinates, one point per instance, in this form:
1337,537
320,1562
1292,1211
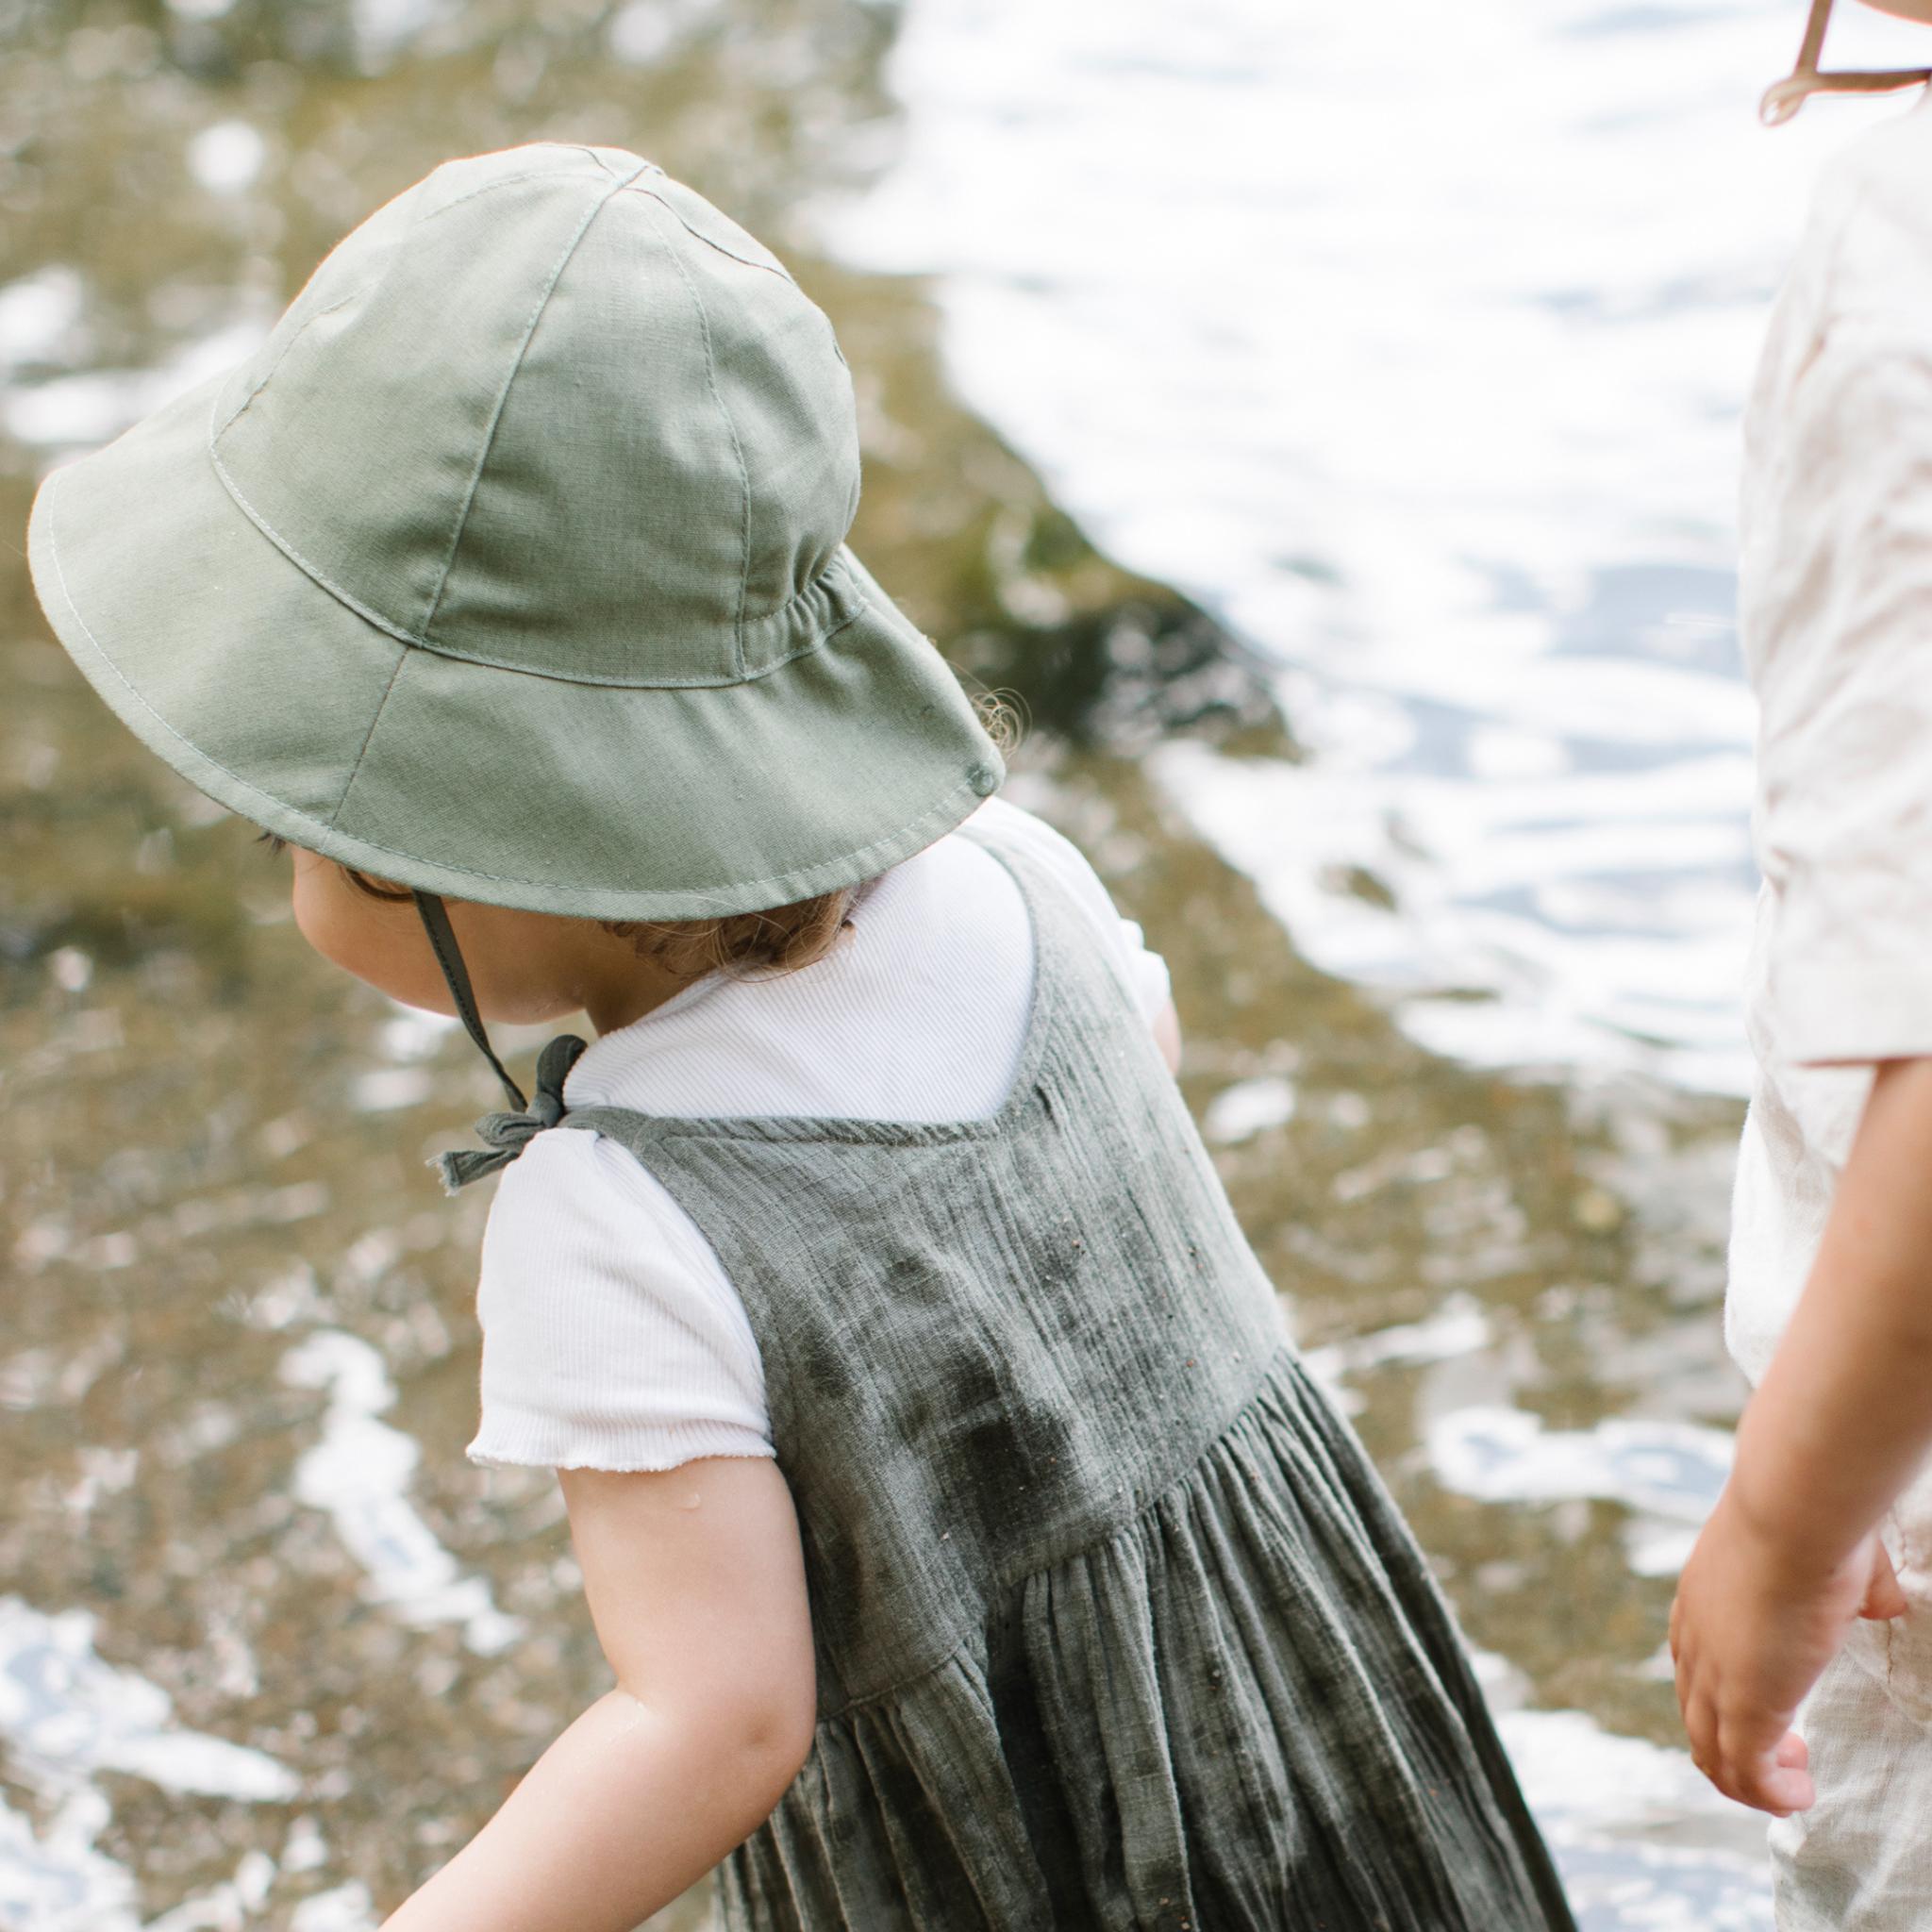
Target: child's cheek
381,944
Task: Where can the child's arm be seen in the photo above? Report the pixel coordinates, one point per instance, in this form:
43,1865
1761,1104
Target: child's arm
697,1586
1835,1431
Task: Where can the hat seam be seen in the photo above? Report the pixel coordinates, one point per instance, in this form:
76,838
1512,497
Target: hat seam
341,301
730,430
623,180
456,536
804,650
376,620
783,273
423,221
284,808
307,565
370,616
313,316
362,749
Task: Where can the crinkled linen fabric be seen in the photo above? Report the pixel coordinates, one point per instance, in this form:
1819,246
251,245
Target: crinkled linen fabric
612,1336
1115,1626
1860,1860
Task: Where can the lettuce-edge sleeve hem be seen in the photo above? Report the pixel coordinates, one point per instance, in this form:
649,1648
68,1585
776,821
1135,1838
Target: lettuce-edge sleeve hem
538,1445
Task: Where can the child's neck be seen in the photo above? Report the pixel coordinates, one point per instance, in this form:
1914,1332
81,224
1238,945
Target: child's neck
630,988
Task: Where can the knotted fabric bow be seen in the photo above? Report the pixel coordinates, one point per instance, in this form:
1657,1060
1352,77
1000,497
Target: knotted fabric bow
508,1134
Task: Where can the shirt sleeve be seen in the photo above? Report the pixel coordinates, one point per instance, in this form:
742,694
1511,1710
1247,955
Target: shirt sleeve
1844,796
1144,969
611,1337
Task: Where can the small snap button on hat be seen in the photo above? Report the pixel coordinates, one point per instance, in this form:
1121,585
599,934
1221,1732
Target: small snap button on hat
983,780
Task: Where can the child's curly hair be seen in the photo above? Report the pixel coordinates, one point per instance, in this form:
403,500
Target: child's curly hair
779,940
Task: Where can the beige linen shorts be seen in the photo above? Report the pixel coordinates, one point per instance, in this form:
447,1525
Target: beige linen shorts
1860,1860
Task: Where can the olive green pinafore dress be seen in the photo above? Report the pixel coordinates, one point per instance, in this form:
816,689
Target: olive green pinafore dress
1115,1625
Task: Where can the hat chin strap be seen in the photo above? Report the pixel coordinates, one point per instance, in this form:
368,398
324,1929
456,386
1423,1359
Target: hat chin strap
443,943
1783,99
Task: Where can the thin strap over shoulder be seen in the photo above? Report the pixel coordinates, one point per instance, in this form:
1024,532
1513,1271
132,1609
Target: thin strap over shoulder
626,1125
1059,918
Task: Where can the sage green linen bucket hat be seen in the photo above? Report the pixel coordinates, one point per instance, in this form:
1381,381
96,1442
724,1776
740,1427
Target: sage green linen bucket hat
512,565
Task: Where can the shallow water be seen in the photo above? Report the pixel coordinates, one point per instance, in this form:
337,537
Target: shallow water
1410,340
270,1648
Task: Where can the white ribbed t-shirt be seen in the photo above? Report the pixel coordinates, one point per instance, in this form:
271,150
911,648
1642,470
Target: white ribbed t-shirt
612,1337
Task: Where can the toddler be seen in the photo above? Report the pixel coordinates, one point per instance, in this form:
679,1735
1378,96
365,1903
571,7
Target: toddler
1814,1574
968,1545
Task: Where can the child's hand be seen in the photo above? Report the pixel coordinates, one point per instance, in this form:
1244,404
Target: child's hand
1750,1632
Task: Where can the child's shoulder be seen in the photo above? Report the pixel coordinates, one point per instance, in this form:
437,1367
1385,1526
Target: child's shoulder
1000,823
1870,232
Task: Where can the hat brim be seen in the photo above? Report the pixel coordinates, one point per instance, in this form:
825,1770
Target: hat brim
268,693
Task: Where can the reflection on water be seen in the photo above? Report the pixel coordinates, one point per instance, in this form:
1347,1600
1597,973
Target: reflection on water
1410,340
358,1472
270,1648
1642,1840
65,1715
1668,1474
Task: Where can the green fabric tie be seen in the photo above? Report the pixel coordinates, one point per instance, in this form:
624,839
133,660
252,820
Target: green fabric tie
508,1134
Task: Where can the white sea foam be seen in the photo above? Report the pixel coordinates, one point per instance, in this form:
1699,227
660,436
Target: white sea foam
1640,1837
67,1714
360,1472
1668,1474
1412,340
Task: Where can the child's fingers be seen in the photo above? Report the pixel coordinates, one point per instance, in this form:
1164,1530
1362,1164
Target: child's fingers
1883,1596
1772,1778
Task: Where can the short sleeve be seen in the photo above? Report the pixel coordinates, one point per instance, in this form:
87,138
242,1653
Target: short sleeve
1144,970
1845,686
611,1337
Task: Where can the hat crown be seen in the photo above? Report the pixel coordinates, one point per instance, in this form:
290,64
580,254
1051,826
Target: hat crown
550,409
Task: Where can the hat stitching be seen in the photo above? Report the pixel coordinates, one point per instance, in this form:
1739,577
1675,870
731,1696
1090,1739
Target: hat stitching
295,335
456,534
421,639
368,616
287,811
362,749
650,167
731,430
423,221
783,273
355,604
608,683
295,555
307,565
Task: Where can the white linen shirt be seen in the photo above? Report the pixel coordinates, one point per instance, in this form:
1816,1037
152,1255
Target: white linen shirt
1835,608
611,1337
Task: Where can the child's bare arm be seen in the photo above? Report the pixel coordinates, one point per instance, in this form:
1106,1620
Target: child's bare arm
1835,1430
697,1586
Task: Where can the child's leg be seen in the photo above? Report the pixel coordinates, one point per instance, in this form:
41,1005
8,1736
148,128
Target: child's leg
1860,1860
